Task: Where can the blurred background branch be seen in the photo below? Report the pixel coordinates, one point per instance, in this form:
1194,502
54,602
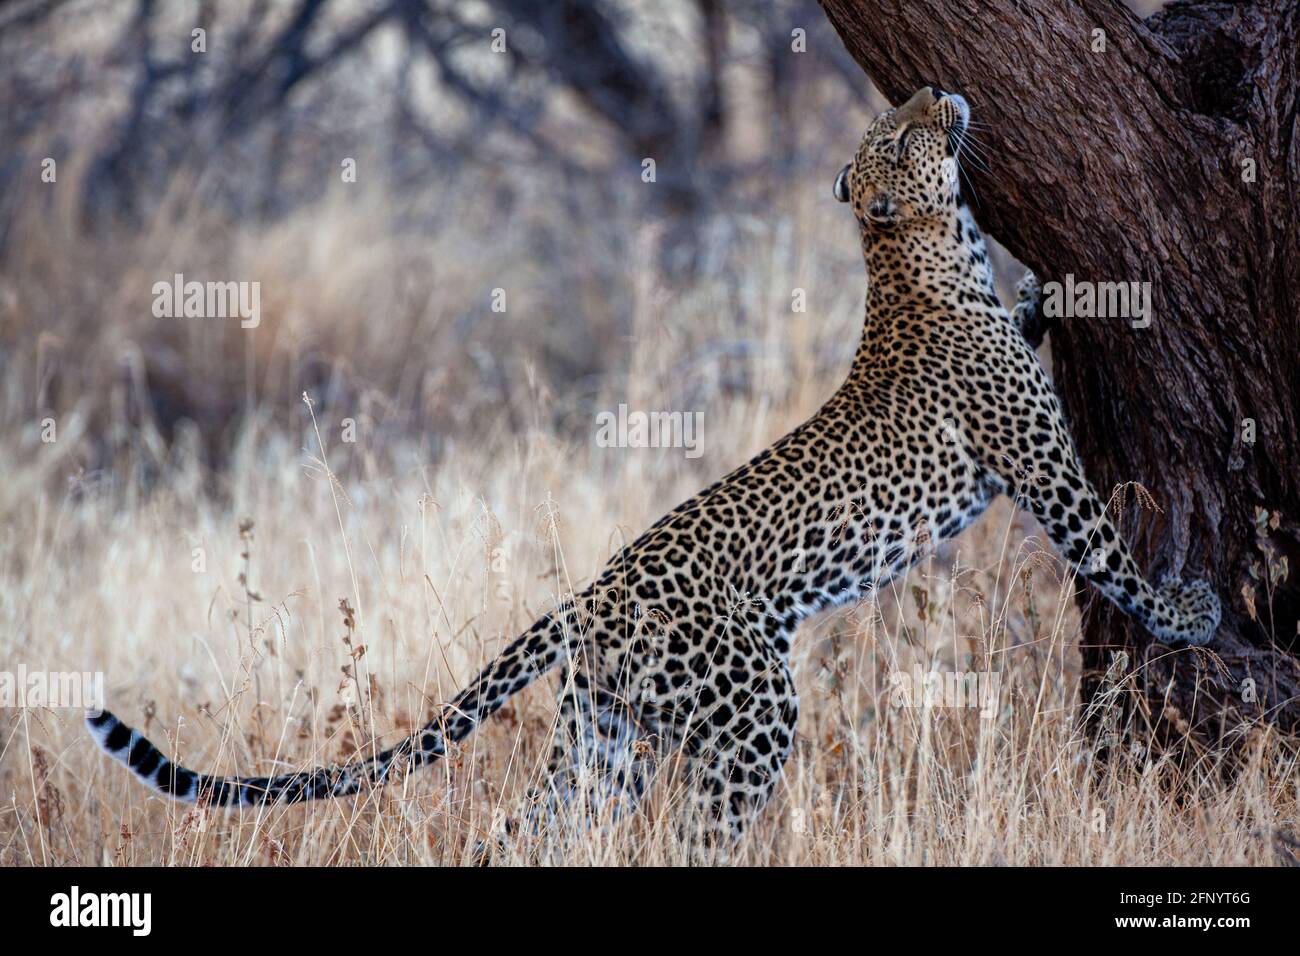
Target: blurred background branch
202,137
578,85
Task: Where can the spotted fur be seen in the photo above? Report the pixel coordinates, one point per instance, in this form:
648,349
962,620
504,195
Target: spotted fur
683,641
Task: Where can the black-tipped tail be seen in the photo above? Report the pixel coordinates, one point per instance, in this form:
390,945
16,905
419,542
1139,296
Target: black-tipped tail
536,652
171,779
145,760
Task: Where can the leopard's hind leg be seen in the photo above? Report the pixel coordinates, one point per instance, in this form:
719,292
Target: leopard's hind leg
600,767
737,752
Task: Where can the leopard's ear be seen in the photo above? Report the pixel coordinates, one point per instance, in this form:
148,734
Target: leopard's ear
842,183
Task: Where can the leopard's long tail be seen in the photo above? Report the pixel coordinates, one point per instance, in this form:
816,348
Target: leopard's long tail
541,648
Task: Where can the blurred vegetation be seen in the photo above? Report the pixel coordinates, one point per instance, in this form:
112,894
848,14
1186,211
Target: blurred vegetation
475,170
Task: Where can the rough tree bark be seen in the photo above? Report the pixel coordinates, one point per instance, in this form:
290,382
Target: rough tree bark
1133,163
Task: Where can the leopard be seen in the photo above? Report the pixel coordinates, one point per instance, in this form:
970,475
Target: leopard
681,645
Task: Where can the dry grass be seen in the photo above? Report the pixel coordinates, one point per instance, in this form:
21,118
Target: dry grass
230,648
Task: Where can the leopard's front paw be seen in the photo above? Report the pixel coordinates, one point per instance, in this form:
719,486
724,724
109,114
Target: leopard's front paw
1198,607
1027,314
1028,290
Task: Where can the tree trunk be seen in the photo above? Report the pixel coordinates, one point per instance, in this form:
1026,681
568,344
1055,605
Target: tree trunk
1163,151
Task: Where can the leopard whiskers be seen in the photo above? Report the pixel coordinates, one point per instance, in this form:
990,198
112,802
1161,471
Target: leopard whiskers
963,153
967,144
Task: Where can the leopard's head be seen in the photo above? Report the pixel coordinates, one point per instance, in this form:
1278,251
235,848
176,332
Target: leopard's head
906,171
